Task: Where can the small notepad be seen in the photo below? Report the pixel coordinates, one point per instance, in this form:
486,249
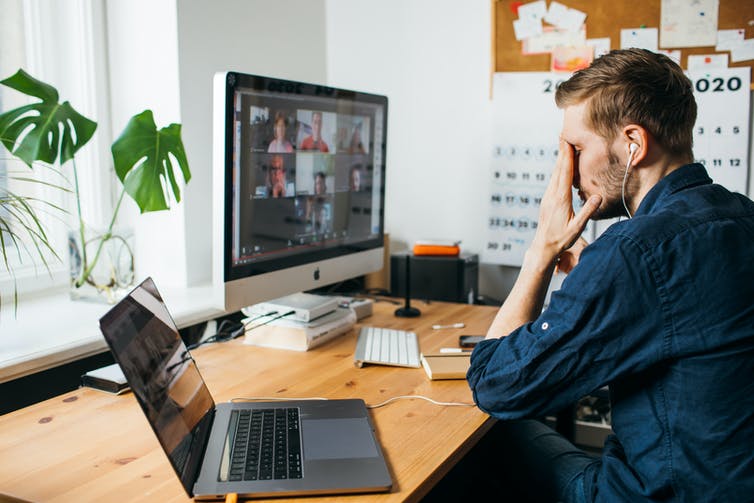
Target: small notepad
446,365
110,379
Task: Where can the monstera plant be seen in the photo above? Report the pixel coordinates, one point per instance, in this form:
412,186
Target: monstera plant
49,133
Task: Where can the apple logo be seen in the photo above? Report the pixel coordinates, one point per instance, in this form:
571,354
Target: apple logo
316,274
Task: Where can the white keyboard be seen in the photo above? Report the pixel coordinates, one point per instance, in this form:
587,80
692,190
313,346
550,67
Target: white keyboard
386,346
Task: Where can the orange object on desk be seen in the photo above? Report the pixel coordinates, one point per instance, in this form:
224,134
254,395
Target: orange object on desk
446,249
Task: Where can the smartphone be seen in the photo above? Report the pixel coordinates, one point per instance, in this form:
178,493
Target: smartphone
469,341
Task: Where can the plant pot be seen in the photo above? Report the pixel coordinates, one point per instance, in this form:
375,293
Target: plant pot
102,270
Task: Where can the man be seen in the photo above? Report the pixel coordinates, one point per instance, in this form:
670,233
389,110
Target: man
320,184
314,141
277,185
354,178
659,307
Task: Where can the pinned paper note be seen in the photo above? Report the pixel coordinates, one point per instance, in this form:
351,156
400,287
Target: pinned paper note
675,55
688,24
526,29
532,11
643,38
529,22
601,46
728,39
707,61
551,38
743,51
564,17
570,59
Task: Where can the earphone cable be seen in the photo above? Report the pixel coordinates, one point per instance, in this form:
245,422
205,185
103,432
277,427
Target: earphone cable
623,186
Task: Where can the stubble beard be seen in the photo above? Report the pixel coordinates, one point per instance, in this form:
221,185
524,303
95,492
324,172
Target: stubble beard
611,180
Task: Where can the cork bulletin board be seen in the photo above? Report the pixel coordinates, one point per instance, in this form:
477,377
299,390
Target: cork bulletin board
606,19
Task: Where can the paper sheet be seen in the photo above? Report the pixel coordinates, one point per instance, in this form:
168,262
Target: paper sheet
688,24
525,28
642,38
675,55
707,61
529,22
571,59
564,17
743,51
551,38
727,39
601,46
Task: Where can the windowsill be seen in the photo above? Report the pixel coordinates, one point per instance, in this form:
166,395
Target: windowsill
51,330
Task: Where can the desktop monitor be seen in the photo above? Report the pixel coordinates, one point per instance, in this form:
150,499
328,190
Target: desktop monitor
299,186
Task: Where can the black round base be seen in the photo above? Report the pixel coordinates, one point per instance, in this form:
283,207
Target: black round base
407,312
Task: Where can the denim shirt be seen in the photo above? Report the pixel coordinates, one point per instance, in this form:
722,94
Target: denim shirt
661,309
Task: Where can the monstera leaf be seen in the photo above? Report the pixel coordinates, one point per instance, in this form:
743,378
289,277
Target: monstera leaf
44,130
142,157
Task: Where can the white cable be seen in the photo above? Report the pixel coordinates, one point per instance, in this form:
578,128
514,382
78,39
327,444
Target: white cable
444,404
623,187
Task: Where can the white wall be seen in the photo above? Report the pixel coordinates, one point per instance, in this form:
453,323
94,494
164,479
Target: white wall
282,38
432,59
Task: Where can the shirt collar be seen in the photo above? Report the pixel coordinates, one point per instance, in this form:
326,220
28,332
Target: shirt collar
688,175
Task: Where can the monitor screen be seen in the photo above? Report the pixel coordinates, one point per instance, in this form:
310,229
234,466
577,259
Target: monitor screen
299,177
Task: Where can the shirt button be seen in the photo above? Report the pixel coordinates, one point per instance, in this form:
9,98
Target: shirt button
545,326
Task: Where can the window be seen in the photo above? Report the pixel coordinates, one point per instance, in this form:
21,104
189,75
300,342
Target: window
61,43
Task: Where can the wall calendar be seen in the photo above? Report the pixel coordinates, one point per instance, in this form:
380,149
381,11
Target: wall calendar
526,125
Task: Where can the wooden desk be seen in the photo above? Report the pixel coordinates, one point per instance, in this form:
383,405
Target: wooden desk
87,445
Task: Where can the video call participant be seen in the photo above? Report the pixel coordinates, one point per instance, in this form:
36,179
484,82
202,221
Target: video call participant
314,141
317,209
320,183
356,146
658,307
354,178
277,185
279,143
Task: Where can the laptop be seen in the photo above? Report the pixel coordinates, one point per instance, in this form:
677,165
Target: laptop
254,449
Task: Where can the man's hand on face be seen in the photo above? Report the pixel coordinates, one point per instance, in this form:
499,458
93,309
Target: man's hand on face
559,227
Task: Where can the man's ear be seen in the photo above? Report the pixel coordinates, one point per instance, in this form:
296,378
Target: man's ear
636,135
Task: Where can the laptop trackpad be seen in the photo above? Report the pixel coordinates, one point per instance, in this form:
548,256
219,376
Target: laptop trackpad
338,439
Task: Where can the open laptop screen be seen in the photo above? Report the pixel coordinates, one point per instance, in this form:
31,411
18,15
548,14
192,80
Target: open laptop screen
164,378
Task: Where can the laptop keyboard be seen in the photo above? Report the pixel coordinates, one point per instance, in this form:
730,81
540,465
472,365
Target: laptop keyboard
387,346
266,444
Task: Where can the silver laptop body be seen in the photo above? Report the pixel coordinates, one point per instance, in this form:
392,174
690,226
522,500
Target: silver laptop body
319,446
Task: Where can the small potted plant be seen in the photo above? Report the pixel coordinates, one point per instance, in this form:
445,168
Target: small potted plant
50,133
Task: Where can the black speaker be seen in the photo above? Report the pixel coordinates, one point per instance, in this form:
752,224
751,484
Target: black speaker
452,279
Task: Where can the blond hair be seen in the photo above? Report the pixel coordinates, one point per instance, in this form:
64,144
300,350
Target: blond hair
636,86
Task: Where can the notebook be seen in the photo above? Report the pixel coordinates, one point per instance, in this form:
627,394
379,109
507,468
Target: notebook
317,446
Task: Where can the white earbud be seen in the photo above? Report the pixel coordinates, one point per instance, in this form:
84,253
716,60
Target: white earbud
633,147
